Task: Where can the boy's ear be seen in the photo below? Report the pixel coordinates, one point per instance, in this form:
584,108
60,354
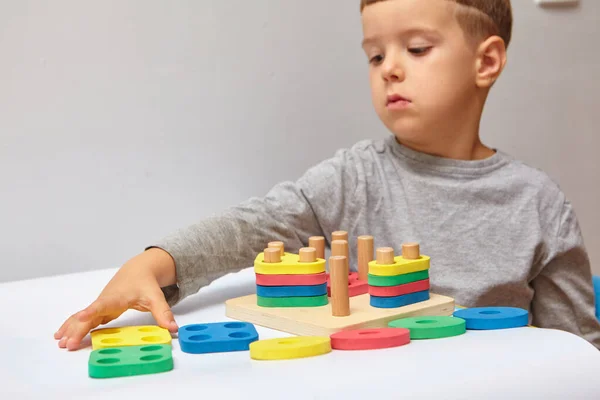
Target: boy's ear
491,59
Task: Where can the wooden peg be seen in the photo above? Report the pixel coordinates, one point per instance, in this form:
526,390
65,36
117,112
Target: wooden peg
339,248
278,245
340,298
318,243
272,255
365,255
411,251
385,255
308,254
339,235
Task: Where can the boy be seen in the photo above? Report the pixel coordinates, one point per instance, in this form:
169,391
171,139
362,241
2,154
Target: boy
498,232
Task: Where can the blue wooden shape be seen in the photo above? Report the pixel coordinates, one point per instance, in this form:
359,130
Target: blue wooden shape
217,337
399,301
596,281
291,291
489,318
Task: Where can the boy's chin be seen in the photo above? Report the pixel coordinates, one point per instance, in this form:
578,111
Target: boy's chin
406,131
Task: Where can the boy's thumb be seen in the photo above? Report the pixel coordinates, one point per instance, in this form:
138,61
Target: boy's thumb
162,314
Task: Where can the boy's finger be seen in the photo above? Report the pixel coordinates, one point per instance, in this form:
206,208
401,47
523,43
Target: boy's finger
62,343
74,342
60,332
75,335
162,314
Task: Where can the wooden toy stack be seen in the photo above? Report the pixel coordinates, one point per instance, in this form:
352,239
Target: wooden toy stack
398,281
357,281
290,280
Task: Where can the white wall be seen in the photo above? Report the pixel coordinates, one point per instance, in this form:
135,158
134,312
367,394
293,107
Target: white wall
123,120
546,108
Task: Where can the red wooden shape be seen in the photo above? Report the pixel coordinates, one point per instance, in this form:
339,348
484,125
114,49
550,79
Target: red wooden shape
291,280
356,287
392,291
370,339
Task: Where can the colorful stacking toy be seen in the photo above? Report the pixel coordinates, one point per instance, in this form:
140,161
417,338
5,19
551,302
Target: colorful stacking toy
398,281
290,280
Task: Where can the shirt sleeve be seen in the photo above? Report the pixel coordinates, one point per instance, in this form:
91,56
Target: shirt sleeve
564,296
290,212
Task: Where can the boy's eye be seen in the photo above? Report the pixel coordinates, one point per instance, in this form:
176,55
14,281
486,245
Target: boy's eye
376,59
419,50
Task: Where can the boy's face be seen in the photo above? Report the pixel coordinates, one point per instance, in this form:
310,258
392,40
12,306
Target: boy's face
422,69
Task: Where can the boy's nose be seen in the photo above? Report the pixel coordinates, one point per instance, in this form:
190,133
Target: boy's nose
392,72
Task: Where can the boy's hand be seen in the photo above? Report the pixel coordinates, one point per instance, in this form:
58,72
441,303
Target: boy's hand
137,285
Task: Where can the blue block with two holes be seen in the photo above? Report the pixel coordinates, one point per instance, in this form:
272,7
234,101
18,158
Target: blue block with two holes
491,318
291,291
217,337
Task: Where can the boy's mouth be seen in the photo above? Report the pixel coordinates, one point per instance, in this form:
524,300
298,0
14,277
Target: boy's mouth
397,102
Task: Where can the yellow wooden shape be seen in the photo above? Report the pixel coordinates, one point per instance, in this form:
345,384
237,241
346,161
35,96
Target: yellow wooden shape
290,265
129,336
401,266
289,348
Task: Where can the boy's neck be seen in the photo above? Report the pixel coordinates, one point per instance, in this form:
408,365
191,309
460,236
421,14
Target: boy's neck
456,138
467,150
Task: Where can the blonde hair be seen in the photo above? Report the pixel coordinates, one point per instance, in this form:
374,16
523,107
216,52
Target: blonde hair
479,18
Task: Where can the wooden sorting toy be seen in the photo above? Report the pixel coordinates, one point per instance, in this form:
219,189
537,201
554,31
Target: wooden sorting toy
370,339
292,280
339,309
339,235
129,361
317,243
129,336
399,301
291,291
387,264
375,280
340,300
217,337
357,281
319,321
290,348
356,286
278,302
399,290
365,245
490,318
388,267
271,262
431,327
274,264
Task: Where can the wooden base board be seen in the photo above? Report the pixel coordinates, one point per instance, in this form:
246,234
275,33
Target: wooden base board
318,321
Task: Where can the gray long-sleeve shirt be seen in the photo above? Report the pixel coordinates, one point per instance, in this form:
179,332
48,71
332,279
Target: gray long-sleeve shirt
499,233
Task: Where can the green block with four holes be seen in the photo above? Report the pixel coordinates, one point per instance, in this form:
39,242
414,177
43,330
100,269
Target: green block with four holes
131,360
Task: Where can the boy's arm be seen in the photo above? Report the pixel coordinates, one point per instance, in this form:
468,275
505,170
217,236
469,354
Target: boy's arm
564,296
290,212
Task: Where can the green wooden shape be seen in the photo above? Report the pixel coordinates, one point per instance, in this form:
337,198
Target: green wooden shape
131,360
395,280
426,327
311,301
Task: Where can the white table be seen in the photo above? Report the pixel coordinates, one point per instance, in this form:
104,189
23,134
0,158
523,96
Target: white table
520,363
